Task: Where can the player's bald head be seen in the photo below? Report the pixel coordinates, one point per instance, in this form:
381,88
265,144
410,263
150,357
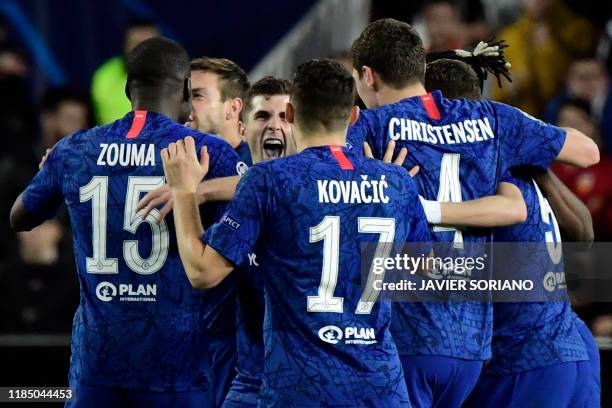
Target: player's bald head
157,61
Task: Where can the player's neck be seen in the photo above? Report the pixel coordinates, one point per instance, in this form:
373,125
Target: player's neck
387,95
321,139
230,134
154,105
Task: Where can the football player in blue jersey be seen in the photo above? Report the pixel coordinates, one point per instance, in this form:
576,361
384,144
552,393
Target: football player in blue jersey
219,88
326,343
543,354
142,336
463,148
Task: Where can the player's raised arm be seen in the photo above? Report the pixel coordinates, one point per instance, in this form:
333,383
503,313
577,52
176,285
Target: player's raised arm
531,142
573,216
204,266
578,150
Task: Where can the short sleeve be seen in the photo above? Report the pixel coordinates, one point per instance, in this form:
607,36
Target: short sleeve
44,195
234,236
525,140
509,178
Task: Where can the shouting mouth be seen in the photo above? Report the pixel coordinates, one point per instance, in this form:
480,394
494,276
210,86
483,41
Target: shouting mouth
273,147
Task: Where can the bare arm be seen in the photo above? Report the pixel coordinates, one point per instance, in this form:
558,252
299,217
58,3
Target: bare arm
218,189
573,216
203,265
578,150
507,207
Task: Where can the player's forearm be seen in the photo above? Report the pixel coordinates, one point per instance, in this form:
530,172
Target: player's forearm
188,232
573,216
578,150
218,189
491,211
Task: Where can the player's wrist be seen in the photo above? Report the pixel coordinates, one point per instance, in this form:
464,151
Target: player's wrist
183,192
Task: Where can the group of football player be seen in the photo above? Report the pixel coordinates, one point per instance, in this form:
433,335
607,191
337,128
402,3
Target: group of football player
245,287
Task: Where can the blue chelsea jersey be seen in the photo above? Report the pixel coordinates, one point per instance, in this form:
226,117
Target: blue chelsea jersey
309,214
462,147
531,335
140,324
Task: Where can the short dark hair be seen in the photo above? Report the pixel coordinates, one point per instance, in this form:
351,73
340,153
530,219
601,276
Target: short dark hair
393,49
155,61
266,86
234,81
455,79
323,95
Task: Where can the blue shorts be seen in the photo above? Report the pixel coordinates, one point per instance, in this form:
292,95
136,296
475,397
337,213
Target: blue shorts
572,384
243,393
438,381
88,396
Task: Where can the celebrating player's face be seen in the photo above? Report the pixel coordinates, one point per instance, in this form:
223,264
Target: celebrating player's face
268,133
207,108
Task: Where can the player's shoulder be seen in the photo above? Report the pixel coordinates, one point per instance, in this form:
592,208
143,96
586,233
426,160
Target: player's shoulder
75,143
466,107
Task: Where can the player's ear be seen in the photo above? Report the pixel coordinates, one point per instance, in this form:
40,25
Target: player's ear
354,115
369,77
289,113
235,107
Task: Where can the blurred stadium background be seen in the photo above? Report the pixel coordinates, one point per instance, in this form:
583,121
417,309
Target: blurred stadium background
61,70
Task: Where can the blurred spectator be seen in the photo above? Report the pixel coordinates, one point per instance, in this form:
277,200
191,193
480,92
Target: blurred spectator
63,111
587,79
108,83
443,26
602,326
40,291
542,44
17,115
593,185
604,48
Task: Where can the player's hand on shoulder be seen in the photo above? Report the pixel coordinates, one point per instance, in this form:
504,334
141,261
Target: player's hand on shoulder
44,159
183,170
388,156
